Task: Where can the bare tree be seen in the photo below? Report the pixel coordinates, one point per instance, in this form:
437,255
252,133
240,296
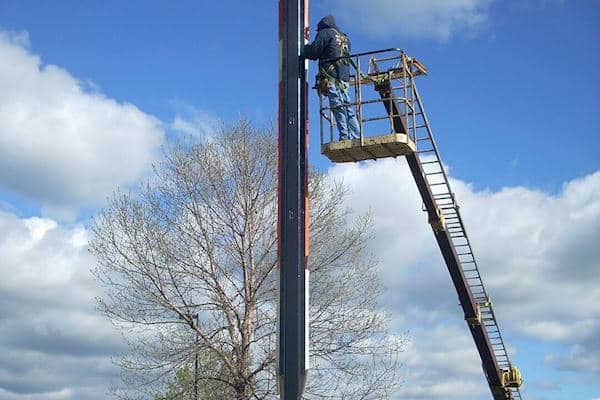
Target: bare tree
201,238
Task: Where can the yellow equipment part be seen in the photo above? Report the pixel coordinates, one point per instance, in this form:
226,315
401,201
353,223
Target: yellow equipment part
512,377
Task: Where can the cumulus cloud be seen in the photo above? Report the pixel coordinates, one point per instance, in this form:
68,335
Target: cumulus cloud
433,369
438,19
583,355
193,122
526,241
53,343
61,144
559,331
537,253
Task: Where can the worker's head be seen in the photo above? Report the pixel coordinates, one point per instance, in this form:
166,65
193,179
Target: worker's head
327,21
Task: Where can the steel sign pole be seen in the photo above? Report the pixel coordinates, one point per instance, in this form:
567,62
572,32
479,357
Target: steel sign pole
292,200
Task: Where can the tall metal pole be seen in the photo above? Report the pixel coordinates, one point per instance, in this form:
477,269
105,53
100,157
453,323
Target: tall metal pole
293,204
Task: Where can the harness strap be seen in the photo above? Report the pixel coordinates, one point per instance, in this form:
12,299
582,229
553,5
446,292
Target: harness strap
350,60
327,74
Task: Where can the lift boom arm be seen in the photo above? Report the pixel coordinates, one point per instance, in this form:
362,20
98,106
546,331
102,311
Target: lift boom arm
411,136
503,382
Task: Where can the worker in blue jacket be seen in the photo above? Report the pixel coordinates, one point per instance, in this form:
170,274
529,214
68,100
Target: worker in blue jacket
334,74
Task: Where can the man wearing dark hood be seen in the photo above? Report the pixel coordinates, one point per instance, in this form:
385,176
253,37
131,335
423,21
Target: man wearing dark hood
328,46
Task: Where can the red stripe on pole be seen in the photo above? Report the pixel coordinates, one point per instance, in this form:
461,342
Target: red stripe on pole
281,19
306,21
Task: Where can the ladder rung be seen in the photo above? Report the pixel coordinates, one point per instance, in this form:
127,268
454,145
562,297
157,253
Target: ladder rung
444,202
466,240
447,203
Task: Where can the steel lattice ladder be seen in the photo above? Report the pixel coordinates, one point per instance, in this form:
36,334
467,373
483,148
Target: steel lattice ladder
435,175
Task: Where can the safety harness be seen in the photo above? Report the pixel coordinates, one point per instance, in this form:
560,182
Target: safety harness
326,74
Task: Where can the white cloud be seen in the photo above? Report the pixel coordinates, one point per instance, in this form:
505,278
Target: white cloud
559,331
195,123
61,145
53,343
433,369
49,317
439,19
537,253
578,358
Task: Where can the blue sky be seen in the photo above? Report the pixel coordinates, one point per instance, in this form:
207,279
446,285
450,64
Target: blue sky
89,91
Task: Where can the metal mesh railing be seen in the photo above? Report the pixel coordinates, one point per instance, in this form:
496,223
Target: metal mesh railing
373,75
